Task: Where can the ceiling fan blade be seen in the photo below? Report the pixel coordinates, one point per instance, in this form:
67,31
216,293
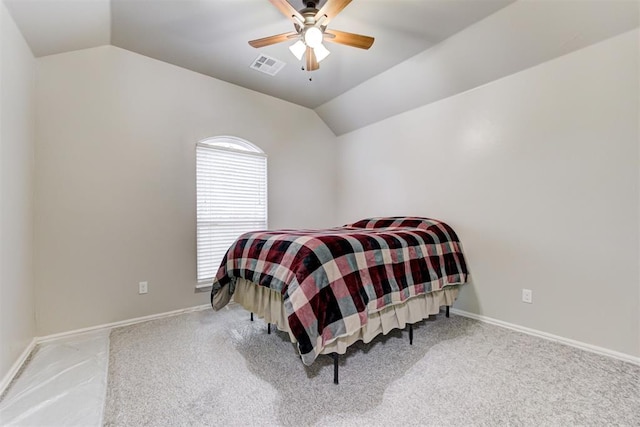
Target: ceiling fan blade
330,9
312,62
349,39
267,41
287,10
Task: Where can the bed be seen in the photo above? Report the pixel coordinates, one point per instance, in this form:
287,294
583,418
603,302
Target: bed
330,288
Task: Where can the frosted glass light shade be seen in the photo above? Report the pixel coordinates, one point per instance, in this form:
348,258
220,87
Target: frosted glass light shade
313,37
321,52
298,49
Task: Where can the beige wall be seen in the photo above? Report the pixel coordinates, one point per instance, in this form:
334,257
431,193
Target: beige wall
17,113
539,174
115,180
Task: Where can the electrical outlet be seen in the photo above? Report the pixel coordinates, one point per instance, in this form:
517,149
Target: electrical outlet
143,287
527,296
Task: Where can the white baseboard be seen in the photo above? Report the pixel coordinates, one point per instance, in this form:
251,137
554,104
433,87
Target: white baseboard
127,322
572,343
48,338
54,337
15,368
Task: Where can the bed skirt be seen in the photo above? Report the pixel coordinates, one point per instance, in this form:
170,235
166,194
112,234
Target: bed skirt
267,304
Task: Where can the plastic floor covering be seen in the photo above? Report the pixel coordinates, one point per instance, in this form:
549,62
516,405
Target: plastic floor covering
63,383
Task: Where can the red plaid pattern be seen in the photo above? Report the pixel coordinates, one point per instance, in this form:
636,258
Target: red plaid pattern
331,279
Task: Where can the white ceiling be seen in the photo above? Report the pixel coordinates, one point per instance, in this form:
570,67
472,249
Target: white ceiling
210,36
517,37
425,50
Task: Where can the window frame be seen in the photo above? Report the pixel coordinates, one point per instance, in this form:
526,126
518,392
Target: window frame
228,144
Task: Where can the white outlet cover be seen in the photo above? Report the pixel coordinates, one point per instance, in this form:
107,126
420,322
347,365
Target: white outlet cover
527,296
143,287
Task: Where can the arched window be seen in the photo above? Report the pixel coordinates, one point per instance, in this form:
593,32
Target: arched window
231,193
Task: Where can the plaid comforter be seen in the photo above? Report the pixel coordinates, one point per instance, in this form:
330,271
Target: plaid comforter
330,279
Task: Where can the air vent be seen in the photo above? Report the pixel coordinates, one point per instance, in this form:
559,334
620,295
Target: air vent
267,65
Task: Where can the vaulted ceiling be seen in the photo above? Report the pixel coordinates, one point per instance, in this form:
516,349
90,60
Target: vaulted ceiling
415,40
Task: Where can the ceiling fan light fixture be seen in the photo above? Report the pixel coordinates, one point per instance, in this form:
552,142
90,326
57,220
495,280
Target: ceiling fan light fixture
309,31
312,37
321,52
298,49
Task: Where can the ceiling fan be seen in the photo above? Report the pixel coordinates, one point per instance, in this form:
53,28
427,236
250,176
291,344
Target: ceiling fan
311,30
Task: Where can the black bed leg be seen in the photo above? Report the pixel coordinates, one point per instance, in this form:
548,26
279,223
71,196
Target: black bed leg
268,328
410,334
335,367
252,316
447,312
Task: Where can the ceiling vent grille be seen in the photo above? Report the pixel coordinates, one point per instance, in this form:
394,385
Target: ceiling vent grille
267,65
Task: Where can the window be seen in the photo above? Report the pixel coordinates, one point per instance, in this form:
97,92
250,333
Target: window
231,193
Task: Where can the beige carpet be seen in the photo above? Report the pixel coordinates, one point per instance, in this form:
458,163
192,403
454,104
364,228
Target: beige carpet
218,368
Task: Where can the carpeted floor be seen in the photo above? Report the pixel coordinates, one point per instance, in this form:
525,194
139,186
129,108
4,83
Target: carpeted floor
218,368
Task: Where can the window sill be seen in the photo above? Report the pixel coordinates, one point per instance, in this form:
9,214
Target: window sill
203,287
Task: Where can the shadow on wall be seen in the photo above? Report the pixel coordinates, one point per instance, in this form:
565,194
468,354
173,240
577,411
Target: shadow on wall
468,296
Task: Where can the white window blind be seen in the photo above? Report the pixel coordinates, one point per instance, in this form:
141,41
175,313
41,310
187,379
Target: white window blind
231,181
